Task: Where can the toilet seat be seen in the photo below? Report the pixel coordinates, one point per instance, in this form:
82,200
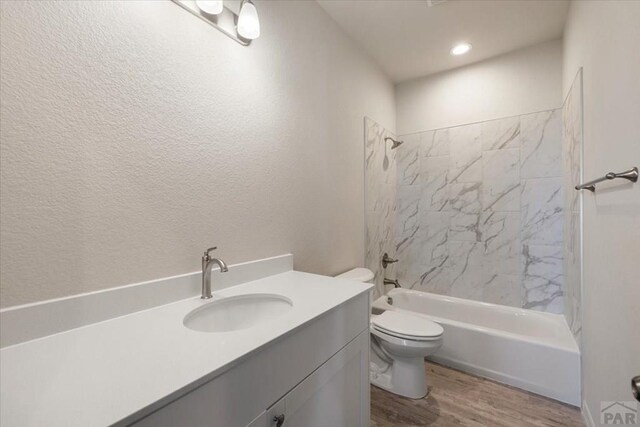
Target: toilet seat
405,337
406,326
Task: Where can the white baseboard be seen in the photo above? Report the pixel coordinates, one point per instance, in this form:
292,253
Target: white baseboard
27,322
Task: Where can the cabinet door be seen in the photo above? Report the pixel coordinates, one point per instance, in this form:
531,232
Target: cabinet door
336,394
260,420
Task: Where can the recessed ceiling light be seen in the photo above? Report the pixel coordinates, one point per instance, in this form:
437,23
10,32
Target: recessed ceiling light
460,49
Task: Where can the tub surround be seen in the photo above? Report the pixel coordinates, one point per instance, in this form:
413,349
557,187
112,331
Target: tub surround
119,370
479,211
380,201
572,158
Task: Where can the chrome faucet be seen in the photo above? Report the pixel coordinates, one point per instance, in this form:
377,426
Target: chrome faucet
392,282
207,265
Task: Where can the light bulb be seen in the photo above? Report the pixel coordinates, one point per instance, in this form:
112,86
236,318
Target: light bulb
248,23
212,7
460,49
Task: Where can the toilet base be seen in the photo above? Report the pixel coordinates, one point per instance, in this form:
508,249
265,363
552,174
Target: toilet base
405,377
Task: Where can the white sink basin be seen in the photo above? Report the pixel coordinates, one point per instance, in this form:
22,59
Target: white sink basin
238,312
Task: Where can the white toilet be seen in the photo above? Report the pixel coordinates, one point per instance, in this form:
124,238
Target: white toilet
399,343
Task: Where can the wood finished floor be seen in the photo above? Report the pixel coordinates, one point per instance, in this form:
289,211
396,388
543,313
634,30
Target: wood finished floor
459,399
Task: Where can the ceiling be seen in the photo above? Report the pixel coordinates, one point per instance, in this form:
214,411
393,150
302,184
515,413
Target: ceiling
408,39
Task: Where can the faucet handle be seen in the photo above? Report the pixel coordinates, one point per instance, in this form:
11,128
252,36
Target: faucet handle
206,253
386,260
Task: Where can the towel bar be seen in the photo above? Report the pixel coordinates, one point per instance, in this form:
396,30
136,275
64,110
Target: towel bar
631,175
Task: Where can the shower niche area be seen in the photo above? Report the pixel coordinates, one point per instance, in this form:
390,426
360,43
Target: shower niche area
482,211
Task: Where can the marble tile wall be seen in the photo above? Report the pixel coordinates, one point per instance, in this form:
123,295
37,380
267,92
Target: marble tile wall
571,155
380,200
480,211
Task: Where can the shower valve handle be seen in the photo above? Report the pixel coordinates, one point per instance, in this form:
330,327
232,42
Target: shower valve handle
386,260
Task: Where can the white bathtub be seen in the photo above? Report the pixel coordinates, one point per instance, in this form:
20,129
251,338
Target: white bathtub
528,349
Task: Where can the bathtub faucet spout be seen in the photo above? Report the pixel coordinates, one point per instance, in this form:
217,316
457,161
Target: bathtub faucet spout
392,282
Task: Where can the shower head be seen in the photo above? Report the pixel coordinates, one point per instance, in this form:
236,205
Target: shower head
396,144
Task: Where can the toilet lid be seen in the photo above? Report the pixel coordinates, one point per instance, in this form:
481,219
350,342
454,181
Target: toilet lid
406,325
363,275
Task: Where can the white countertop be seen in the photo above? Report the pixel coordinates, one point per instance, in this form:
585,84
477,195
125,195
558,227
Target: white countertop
100,374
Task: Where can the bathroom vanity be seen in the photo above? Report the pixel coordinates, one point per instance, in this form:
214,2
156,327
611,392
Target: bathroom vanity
303,363
316,376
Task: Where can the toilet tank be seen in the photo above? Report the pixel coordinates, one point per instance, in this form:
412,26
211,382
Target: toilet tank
363,275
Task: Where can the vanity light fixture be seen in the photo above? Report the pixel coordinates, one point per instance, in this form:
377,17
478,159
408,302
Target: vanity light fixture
460,49
212,7
248,22
242,27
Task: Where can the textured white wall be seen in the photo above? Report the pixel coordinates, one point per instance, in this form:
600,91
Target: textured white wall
134,136
525,81
602,37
